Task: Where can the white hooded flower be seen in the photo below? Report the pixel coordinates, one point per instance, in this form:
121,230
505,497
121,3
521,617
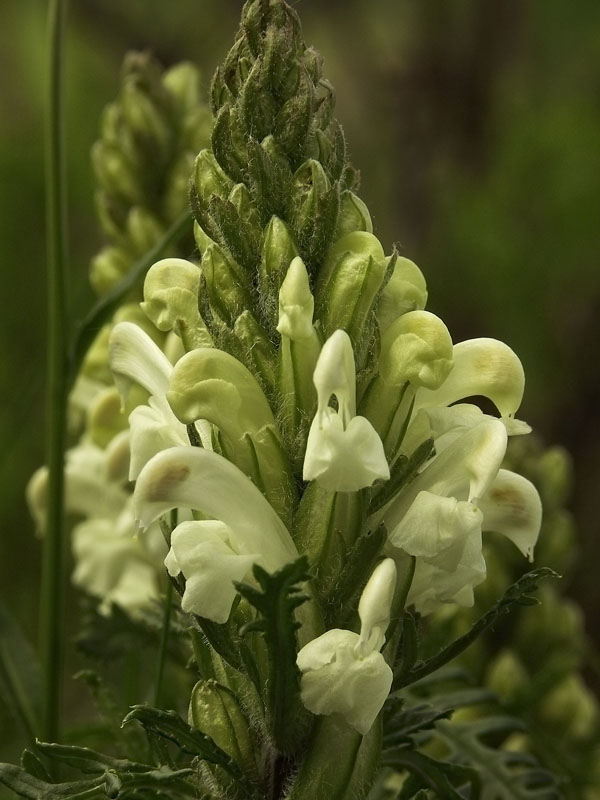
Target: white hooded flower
344,452
243,528
136,360
344,672
439,518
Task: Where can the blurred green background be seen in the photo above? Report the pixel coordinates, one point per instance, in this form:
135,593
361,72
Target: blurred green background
476,127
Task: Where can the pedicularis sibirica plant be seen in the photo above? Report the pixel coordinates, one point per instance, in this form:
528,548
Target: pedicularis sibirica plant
277,446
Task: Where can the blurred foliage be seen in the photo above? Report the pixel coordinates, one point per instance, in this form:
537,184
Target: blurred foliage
479,156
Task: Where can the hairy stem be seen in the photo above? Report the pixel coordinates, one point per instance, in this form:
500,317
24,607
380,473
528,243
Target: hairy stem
51,609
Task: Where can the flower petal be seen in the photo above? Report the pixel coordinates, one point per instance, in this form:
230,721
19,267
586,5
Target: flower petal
464,470
337,681
344,460
136,359
203,552
512,507
436,528
485,367
192,477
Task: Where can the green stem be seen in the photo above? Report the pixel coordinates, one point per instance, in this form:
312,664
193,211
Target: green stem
51,610
164,641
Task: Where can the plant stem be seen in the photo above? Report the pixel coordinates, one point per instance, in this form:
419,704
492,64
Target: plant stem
51,610
164,640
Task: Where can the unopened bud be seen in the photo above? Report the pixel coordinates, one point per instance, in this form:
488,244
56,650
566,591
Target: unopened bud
171,300
296,303
279,249
507,676
417,349
144,229
348,284
405,291
227,289
259,348
354,215
115,173
105,418
214,710
209,178
108,267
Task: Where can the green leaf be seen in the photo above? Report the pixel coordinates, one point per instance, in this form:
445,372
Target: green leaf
169,725
26,785
87,760
19,675
505,774
276,600
405,718
517,594
431,773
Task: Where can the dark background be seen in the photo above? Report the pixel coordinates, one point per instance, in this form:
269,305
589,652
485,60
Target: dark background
476,127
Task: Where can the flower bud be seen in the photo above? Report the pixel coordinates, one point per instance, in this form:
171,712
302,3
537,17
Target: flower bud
108,267
572,707
203,240
214,710
211,384
227,289
296,303
405,291
146,120
310,185
257,346
348,284
507,676
171,300
209,178
298,354
279,249
115,173
240,198
417,349
144,229
182,81
105,418
354,215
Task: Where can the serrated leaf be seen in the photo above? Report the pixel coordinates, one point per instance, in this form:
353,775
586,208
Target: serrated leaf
26,785
34,766
87,760
276,600
169,725
517,594
425,771
504,776
19,675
